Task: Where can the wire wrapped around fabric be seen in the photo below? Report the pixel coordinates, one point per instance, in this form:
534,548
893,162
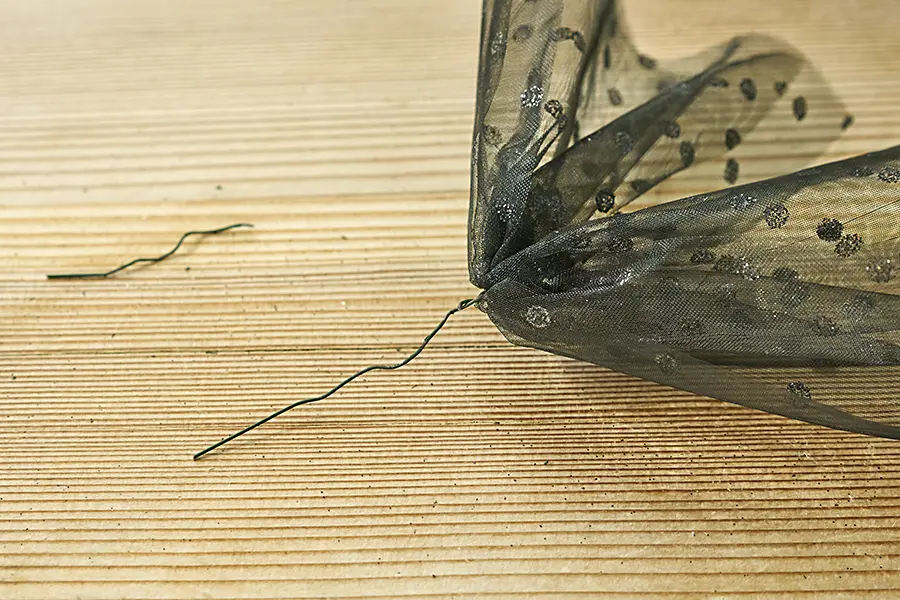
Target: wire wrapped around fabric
778,294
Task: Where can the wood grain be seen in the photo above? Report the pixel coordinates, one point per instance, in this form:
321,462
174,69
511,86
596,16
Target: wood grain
341,130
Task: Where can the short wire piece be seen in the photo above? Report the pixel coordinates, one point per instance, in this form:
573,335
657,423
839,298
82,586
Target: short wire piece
462,306
156,259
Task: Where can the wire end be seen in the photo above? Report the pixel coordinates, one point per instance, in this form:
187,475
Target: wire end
154,259
460,307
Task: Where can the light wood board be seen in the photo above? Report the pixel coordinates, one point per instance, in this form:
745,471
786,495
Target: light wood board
341,130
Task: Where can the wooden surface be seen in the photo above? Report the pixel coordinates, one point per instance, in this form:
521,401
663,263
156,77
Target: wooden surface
341,130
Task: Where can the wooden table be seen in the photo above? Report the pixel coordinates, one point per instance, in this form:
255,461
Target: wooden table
341,130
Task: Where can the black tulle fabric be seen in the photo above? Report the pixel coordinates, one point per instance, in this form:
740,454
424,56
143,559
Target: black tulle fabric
780,294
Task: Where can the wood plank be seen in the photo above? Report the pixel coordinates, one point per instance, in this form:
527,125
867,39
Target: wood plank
341,130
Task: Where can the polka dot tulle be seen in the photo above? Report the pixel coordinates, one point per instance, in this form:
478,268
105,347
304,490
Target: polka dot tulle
780,291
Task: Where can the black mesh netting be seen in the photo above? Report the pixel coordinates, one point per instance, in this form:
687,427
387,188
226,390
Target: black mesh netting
780,295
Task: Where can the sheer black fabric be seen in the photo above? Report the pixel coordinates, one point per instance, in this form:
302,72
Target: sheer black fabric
780,294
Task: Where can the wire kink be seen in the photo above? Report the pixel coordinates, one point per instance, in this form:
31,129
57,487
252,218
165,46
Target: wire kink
462,306
155,259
